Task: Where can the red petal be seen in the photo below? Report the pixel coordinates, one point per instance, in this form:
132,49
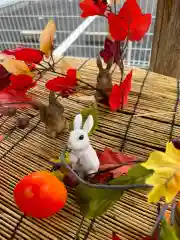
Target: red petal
90,8
118,27
139,27
130,10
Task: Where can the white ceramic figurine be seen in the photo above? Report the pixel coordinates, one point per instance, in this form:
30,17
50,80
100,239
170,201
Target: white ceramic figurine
83,157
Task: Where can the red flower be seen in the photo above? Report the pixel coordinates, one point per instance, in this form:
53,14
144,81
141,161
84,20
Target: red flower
63,84
4,78
21,83
91,8
29,55
130,22
119,95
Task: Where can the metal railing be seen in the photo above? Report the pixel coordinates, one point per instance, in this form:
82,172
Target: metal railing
22,20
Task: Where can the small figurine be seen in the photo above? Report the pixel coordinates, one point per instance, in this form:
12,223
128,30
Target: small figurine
104,79
83,157
52,116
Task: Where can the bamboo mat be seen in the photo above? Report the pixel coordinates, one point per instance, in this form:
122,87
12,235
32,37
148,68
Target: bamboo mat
30,150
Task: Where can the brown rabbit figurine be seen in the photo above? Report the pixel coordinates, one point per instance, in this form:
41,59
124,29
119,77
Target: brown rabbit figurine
52,116
104,79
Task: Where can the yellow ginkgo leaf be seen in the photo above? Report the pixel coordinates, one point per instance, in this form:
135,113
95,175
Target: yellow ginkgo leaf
47,38
166,176
16,67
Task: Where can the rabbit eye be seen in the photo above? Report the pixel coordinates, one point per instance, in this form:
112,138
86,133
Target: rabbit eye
81,137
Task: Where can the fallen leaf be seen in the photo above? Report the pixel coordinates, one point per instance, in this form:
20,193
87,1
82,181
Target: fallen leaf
119,95
11,96
109,159
47,38
16,67
166,177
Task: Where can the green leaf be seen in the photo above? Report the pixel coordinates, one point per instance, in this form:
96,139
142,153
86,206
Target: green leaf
94,202
85,113
91,111
136,175
167,232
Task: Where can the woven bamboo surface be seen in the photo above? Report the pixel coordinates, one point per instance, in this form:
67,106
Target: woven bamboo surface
30,150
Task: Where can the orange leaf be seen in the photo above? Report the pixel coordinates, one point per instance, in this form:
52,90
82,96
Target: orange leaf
16,67
47,38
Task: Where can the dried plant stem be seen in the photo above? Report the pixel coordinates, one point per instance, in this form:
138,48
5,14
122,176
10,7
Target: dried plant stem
79,229
173,208
89,229
114,167
159,218
101,186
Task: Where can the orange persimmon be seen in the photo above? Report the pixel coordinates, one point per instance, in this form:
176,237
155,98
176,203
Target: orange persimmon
40,194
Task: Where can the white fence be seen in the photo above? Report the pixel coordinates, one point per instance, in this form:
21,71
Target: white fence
22,20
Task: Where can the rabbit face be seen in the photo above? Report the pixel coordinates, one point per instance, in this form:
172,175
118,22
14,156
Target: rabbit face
78,140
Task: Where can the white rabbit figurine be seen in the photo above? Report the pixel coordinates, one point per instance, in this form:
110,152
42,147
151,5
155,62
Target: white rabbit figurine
83,157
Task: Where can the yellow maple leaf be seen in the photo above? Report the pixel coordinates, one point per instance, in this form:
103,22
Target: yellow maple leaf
166,176
16,67
47,38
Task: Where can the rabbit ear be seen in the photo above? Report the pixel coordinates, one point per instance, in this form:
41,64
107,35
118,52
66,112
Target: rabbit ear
110,63
78,122
99,63
52,98
88,125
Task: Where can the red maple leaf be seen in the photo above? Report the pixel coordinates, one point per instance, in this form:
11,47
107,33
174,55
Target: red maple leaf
130,22
119,95
29,55
115,237
111,49
91,8
139,27
21,83
109,160
4,78
63,84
